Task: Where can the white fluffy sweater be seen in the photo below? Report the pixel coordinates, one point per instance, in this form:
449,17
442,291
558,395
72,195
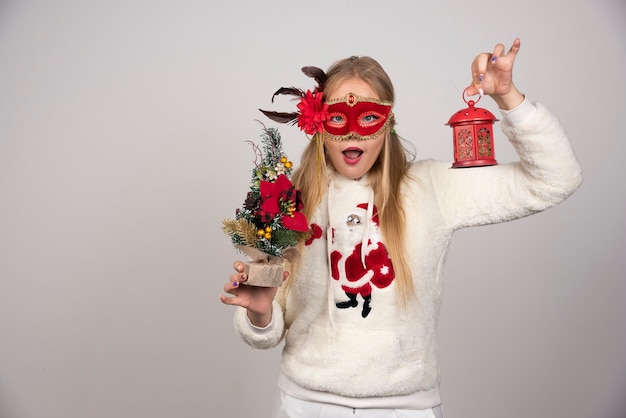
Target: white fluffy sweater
371,347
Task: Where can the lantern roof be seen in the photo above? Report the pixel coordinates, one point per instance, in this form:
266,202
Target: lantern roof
471,114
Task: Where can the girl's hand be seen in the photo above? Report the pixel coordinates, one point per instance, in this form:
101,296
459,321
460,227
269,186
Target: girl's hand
256,299
492,74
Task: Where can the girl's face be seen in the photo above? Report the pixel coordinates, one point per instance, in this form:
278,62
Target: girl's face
353,158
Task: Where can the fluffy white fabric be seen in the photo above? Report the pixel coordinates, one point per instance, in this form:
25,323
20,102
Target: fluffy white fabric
392,351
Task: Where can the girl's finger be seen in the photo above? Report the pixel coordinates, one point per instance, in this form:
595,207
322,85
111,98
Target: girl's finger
479,68
231,286
498,51
227,300
238,266
515,47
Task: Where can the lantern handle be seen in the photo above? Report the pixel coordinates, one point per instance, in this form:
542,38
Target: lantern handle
473,102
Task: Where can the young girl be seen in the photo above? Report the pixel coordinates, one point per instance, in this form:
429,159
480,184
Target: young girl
358,314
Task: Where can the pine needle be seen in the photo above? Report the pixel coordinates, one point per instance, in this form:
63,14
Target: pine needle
243,229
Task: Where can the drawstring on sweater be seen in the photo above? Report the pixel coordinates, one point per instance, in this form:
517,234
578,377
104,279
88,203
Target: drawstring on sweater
366,230
329,240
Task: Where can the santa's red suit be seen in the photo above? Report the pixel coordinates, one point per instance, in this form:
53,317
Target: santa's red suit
357,272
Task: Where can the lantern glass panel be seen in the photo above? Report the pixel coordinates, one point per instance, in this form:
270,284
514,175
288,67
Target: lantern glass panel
485,144
465,143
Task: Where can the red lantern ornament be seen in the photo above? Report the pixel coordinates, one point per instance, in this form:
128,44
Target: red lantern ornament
472,136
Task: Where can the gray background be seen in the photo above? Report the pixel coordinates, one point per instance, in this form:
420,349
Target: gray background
122,147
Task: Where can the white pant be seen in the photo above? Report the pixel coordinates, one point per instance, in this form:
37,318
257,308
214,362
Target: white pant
287,406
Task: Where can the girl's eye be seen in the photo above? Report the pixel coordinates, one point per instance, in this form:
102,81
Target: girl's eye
337,120
369,119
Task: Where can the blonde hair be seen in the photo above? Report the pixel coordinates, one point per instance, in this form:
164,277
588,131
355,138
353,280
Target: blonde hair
386,175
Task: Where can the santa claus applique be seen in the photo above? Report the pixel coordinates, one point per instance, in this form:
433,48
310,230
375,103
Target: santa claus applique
356,276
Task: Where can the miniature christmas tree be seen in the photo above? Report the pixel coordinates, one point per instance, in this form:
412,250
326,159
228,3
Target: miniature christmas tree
269,225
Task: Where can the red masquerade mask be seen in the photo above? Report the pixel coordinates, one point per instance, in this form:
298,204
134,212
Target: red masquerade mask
354,117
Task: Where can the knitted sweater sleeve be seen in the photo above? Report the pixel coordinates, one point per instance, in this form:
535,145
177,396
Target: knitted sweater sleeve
546,174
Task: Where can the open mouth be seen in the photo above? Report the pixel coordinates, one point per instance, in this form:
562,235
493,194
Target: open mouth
352,153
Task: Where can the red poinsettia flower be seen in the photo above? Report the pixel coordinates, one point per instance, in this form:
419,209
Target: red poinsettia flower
281,197
270,193
312,112
293,219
